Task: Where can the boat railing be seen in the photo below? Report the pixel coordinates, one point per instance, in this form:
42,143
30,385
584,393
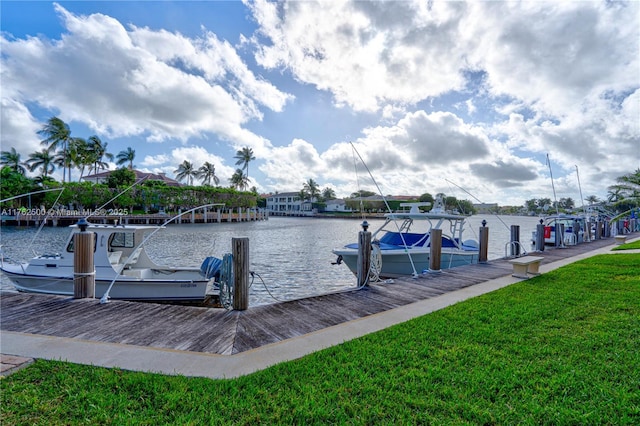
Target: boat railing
513,246
11,261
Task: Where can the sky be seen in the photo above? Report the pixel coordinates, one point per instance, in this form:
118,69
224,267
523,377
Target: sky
397,98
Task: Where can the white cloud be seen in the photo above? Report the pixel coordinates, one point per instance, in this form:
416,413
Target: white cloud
196,155
364,53
154,84
534,78
19,128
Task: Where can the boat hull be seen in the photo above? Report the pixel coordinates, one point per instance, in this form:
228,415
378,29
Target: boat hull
397,263
126,288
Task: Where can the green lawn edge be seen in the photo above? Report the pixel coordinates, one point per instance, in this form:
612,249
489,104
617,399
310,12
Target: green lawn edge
561,348
633,245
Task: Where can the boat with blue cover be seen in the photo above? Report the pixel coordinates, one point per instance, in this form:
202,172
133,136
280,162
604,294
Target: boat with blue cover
402,245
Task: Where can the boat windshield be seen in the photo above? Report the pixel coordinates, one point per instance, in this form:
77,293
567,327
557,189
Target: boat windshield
122,239
70,245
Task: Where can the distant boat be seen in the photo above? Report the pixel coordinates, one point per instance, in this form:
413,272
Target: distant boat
119,257
402,245
574,229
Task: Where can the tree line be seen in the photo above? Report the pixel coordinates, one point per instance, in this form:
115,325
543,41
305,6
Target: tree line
361,200
622,196
68,152
62,150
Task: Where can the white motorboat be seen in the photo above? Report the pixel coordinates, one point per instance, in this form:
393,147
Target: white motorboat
402,245
574,229
121,262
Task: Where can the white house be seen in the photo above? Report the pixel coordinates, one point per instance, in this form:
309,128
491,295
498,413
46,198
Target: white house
103,176
338,205
288,203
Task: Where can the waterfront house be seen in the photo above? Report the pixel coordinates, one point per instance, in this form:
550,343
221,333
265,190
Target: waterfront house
103,176
289,203
338,205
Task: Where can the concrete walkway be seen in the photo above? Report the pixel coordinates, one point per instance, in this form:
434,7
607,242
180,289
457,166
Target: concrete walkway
24,347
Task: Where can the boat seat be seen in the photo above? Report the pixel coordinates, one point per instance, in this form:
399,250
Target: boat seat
133,258
114,257
140,273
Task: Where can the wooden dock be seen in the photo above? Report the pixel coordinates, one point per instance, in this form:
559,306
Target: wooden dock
63,219
219,331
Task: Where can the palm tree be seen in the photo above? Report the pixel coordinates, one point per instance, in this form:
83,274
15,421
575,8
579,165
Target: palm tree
12,159
186,170
57,135
239,180
79,155
629,190
98,151
312,189
328,194
591,199
126,156
614,194
207,172
44,181
244,156
42,160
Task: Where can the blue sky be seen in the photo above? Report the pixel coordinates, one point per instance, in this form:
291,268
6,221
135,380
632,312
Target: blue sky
427,93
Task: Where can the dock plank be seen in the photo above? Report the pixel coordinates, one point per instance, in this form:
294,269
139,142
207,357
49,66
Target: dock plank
218,331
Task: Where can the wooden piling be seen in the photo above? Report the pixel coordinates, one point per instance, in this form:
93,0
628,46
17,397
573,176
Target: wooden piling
515,240
240,252
364,257
435,250
84,283
483,254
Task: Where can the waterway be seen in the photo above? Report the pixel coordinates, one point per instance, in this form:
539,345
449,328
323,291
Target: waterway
291,256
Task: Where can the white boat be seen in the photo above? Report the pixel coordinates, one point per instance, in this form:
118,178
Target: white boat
402,245
119,258
574,229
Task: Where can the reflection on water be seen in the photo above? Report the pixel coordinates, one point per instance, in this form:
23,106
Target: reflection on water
291,255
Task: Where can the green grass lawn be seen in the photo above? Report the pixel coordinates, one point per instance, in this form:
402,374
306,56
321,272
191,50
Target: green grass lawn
634,245
561,348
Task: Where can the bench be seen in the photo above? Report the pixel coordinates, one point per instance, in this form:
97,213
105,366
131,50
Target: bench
620,239
525,266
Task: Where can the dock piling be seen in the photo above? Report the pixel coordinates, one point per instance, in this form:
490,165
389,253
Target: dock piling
540,236
483,253
84,282
240,252
364,255
435,250
515,240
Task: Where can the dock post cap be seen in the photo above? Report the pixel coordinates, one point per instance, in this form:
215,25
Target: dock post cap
365,225
83,224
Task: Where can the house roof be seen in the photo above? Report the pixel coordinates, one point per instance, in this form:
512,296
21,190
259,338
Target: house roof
284,194
139,175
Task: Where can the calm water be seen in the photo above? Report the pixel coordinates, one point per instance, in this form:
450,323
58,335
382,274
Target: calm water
291,255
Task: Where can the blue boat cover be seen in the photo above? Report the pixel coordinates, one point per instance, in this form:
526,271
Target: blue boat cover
393,241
